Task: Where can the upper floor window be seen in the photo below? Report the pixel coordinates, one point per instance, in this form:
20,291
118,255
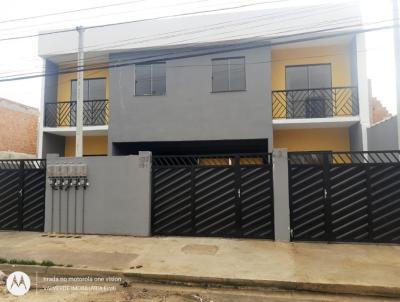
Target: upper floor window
93,89
150,79
228,74
308,77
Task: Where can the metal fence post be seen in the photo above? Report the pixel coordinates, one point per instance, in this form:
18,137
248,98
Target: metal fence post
281,195
21,196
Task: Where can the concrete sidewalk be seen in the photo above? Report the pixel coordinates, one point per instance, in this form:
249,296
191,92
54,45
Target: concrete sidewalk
340,266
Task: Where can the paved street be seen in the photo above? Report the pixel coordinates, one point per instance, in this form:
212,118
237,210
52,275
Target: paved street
160,293
336,267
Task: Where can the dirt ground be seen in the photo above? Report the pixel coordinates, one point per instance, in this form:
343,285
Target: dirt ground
164,293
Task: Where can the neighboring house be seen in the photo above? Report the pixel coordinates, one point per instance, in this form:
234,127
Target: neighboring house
203,90
383,135
18,130
378,111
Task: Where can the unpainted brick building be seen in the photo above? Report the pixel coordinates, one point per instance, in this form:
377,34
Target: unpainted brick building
18,128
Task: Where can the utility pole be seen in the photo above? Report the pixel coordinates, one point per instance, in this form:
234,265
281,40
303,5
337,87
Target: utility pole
79,97
396,32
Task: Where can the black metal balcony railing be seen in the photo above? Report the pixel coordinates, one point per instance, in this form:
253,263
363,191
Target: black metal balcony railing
63,114
315,103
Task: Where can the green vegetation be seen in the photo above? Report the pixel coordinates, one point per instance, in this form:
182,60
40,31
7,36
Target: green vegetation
22,262
48,263
30,262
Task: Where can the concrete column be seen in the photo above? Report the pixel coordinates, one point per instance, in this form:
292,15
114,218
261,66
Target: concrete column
363,88
281,195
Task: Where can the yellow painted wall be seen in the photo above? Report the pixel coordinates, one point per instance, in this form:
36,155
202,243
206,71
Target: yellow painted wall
339,56
64,88
326,139
92,145
64,83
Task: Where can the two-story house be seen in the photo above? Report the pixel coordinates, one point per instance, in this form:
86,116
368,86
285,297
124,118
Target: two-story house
217,83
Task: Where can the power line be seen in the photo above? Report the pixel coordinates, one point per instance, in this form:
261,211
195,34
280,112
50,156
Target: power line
107,15
236,36
310,26
163,35
145,19
196,55
70,11
196,30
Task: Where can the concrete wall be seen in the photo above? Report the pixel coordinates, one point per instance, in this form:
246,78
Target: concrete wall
190,111
50,82
383,136
52,144
117,200
356,138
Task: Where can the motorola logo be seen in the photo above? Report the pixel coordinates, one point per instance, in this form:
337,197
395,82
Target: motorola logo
18,283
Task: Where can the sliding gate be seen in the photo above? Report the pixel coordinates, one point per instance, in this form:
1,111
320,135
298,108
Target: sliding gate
22,194
345,196
223,195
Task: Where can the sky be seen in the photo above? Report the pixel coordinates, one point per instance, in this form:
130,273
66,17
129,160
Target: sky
20,56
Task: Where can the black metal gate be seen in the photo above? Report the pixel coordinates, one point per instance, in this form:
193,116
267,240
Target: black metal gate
22,194
345,196
222,195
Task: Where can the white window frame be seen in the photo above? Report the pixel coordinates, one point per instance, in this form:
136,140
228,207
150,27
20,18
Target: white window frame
229,74
151,79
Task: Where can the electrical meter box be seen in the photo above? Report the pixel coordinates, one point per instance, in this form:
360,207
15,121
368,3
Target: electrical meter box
72,171
82,170
57,171
51,171
64,170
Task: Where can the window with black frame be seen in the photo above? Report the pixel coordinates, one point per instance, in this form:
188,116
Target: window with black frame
150,79
228,74
93,89
95,105
309,91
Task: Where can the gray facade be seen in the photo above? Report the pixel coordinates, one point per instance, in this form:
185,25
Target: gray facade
116,202
383,136
190,111
355,135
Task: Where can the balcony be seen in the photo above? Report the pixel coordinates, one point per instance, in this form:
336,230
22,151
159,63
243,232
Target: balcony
315,103
63,114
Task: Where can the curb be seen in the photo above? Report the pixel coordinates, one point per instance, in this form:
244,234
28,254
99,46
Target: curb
211,282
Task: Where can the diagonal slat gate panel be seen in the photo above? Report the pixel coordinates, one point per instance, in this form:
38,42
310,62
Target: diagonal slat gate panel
385,208
171,204
307,202
22,194
9,199
349,203
215,202
223,195
34,188
257,202
345,196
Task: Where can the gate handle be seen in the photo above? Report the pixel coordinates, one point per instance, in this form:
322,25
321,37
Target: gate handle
20,192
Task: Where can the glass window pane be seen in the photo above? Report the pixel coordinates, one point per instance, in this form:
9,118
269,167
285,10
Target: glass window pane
74,90
296,77
220,80
158,77
237,74
97,89
319,76
143,79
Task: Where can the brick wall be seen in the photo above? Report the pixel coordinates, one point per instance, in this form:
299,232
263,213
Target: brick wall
378,111
18,129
